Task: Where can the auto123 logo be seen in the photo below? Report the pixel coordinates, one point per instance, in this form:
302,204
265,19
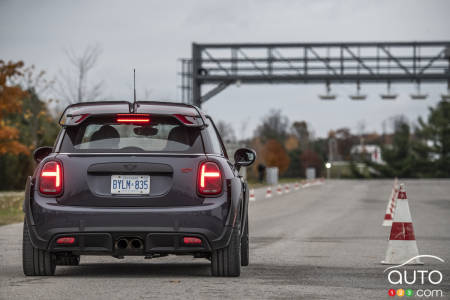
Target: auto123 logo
405,279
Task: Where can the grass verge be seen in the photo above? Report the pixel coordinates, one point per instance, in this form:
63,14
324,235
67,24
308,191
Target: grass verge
11,207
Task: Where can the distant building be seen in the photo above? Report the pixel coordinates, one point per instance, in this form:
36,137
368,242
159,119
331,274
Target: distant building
367,152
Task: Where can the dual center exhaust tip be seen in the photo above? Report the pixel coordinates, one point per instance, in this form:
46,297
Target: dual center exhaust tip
129,243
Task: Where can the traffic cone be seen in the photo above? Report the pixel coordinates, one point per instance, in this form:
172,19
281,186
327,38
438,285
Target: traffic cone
392,208
394,199
296,186
252,195
269,192
279,190
286,188
389,209
402,242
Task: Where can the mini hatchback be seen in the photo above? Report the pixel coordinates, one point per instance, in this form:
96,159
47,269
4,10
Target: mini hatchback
145,179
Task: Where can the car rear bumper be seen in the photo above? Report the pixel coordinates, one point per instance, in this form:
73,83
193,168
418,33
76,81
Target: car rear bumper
97,229
98,243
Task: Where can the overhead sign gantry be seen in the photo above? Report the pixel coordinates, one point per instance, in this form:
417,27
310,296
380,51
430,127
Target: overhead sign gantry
221,65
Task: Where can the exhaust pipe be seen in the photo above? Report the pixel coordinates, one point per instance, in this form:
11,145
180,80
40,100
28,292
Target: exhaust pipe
136,244
122,244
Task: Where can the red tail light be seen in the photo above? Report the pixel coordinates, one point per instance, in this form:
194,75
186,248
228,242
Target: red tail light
51,178
209,179
66,240
133,118
187,240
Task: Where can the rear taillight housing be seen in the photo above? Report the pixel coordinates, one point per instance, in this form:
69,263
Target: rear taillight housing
51,178
209,179
66,240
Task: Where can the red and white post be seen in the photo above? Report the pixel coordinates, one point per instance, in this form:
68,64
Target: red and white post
279,190
252,197
269,192
286,188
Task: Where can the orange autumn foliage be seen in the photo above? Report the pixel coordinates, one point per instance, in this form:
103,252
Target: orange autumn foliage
9,141
10,103
275,155
291,143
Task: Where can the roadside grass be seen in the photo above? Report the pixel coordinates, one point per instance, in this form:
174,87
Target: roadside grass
11,207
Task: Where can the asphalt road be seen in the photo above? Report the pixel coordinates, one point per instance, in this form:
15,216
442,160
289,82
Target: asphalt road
321,242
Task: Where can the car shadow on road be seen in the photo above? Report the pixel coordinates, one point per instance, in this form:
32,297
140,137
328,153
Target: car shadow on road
136,270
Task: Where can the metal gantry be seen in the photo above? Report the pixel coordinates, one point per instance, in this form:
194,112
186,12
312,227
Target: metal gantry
261,63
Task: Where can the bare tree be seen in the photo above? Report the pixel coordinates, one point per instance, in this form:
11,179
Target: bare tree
397,122
361,128
33,79
273,126
243,128
226,131
73,84
300,130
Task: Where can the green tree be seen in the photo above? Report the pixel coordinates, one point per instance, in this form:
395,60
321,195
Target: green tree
432,143
399,158
295,165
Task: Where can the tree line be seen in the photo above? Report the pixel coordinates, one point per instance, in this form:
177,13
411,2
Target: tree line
291,147
421,150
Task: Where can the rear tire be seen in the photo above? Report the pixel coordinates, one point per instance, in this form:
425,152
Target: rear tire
245,251
36,262
226,262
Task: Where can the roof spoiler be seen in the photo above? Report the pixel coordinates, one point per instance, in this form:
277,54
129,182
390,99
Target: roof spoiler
70,119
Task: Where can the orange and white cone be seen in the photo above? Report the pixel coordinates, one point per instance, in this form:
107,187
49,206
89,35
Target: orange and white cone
269,192
279,190
252,195
286,188
402,242
296,186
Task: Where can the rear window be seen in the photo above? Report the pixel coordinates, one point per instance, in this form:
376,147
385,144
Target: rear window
103,134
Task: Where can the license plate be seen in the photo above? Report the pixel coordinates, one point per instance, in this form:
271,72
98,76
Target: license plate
130,184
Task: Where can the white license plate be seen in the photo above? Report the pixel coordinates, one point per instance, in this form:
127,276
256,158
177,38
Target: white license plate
130,184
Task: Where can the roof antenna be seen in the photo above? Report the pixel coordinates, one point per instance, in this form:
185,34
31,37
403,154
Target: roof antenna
134,106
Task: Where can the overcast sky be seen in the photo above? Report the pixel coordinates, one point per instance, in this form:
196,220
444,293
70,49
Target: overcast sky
152,35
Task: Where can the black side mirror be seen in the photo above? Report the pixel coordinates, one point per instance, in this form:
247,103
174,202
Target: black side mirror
244,157
41,153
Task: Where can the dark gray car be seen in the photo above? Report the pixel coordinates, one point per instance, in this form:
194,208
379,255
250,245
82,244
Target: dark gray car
143,178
